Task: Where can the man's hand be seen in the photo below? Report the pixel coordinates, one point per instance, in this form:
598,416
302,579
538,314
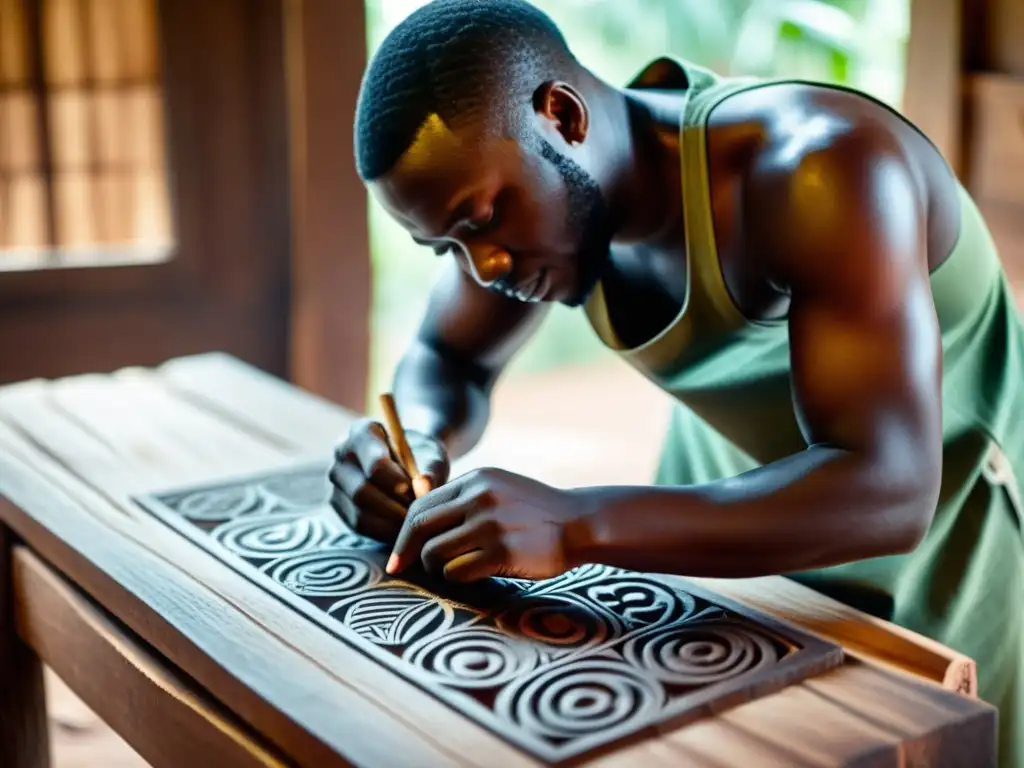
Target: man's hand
371,490
488,523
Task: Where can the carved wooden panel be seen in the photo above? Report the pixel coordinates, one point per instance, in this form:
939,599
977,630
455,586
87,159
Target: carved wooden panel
560,667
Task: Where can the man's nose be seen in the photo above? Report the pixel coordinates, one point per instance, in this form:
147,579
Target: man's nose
489,264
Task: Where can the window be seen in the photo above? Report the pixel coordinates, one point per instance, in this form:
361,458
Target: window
567,408
82,169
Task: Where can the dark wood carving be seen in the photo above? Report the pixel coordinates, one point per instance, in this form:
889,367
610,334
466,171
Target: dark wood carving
559,667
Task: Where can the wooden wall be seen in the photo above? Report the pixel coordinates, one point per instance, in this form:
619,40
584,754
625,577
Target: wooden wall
965,88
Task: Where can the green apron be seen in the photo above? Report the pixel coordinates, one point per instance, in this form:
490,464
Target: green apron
964,584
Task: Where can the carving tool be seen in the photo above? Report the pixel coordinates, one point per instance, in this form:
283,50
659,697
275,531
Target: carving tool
400,446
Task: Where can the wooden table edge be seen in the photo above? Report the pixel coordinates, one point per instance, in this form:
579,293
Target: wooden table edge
167,719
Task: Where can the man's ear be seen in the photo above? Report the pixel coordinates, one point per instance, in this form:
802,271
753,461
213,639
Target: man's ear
564,107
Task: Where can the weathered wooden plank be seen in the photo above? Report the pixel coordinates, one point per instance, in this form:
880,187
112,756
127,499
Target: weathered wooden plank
74,470
861,635
312,719
354,708
263,405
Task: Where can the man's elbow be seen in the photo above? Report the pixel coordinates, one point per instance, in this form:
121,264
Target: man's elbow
913,510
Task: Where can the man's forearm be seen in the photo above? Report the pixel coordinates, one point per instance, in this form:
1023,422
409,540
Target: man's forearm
441,398
818,508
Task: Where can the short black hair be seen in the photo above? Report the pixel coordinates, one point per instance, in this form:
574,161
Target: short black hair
448,58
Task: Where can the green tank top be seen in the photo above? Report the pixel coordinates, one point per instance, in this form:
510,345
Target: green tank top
734,372
731,378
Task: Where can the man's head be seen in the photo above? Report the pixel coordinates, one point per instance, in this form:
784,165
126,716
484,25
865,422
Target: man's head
469,119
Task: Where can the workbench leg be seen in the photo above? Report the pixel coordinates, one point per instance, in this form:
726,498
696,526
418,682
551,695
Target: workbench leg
24,737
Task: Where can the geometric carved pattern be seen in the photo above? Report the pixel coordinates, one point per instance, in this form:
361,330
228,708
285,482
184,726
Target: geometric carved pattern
559,667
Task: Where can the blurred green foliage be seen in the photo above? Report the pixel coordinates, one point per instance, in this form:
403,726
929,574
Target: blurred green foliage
859,43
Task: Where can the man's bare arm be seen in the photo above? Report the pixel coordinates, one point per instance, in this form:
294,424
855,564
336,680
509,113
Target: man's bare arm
842,224
467,337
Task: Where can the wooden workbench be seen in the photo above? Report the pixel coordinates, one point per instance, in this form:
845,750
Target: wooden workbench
193,664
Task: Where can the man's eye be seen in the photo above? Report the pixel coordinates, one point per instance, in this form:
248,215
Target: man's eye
442,250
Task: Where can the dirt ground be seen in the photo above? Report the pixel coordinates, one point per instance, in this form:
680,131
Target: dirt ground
596,425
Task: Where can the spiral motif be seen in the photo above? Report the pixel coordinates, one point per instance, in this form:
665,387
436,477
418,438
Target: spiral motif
219,504
702,653
476,658
349,540
585,698
559,623
323,573
308,489
261,537
394,616
642,602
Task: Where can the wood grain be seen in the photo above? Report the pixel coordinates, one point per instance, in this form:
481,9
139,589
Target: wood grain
835,719
299,422
169,721
861,635
24,738
70,460
233,639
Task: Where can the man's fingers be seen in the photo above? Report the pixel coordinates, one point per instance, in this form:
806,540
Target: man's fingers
439,550
382,528
352,483
473,566
424,521
347,477
373,456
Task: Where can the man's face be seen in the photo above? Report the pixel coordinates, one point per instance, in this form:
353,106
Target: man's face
521,218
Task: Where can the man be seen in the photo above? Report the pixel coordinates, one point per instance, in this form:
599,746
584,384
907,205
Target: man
793,262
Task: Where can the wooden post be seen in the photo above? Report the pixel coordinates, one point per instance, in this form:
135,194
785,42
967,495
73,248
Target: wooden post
325,45
24,739
933,90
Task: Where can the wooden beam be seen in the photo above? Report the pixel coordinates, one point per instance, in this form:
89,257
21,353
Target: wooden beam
933,91
331,273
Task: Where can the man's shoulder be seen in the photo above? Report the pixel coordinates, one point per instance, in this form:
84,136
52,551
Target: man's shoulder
821,179
780,106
